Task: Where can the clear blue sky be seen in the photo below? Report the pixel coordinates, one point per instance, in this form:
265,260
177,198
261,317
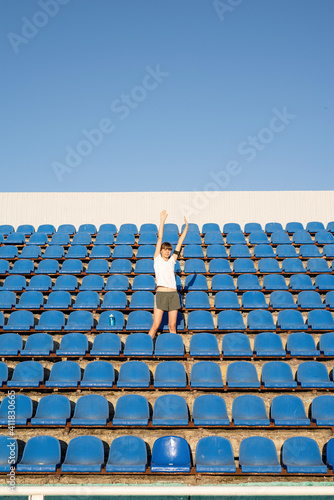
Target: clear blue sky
236,93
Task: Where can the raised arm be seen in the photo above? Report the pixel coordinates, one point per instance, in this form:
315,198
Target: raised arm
181,239
163,217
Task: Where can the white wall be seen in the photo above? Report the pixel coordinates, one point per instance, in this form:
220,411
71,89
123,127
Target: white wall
199,207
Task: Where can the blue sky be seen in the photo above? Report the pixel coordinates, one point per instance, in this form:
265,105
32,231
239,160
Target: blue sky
168,95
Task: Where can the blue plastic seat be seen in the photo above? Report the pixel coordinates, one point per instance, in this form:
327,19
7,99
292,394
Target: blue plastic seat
26,229
320,320
107,228
280,238
95,283
27,374
31,252
66,283
324,238
104,238
197,300
14,283
20,321
258,238
301,282
60,238
317,265
302,455
98,374
213,238
231,226
249,410
293,266
248,282
71,266
10,344
117,282
114,300
3,373
81,238
143,282
58,300
139,321
330,300
51,321
239,251
214,454
53,252
268,344
235,238
290,319
274,282
258,454
138,344
64,374
277,374
120,266
302,238
145,252
286,251
288,410
216,251
6,229
98,266
171,237
293,227
242,374
249,227
226,300
106,344
236,345
125,238
327,251
8,447
322,410
104,321
84,454
67,229
195,266
210,227
122,252
142,300
40,454
15,239
310,300
91,410
281,299
203,344
307,251
73,344
20,407
148,227
223,282
7,299
260,319
127,454
219,266
170,410
200,320
87,300
87,228
134,374
8,252
38,344
76,252
169,344
264,251
195,282
170,454
131,409
4,267
80,321
230,320
313,374
192,238
170,374
301,344
30,300
100,252
23,266
324,282
254,300
268,265
40,283
326,344
330,226
210,409
193,251
128,228
243,266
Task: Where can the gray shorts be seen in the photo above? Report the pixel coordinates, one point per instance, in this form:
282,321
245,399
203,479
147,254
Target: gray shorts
167,301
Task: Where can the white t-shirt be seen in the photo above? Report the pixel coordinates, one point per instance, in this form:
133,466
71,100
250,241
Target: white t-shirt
164,272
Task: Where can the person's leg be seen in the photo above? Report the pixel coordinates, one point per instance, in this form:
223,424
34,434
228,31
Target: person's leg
157,317
172,318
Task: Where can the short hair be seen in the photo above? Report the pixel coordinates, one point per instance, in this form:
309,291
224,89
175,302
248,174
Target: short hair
166,245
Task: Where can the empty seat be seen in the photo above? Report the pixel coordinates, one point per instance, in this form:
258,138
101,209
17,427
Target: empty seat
324,238
100,252
235,237
122,252
213,238
27,374
293,266
216,251
327,251
8,252
288,410
40,454
8,449
330,226
231,226
260,319
170,374
192,238
141,300
14,283
239,251
31,252
30,300
98,374
275,282
277,374
200,320
144,266
148,228
223,282
125,238
324,282
313,374
145,252
306,251
292,227
104,321
326,344
243,266
226,300
143,282
197,300
107,228
84,454
40,283
302,238
236,345
87,228
242,374
268,265
258,238
64,374
53,252
138,344
98,266
301,344
282,300
127,454
38,344
114,300
6,229
80,320
20,408
4,267
280,238
219,266
67,283
23,266
139,321
20,321
258,454
249,410
169,344
210,409
10,344
214,454
285,251
120,266
15,238
254,300
134,374
268,344
62,239
289,319
230,320
87,300
26,229
82,239
76,252
193,251
73,344
264,251
51,321
117,282
67,229
248,282
131,409
48,266
7,300
58,300
203,344
252,226
322,410
71,266
210,227
302,455
193,282
95,283
301,282
3,373
106,344
170,454
310,300
170,410
320,320
91,410
206,374
195,266
317,265
104,238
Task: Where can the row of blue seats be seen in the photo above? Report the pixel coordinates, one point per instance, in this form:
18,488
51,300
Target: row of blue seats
141,320
169,410
146,266
290,227
169,344
62,300
322,237
193,282
168,374
170,454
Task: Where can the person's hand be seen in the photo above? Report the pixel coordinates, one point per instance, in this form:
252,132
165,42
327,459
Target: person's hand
186,223
163,216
